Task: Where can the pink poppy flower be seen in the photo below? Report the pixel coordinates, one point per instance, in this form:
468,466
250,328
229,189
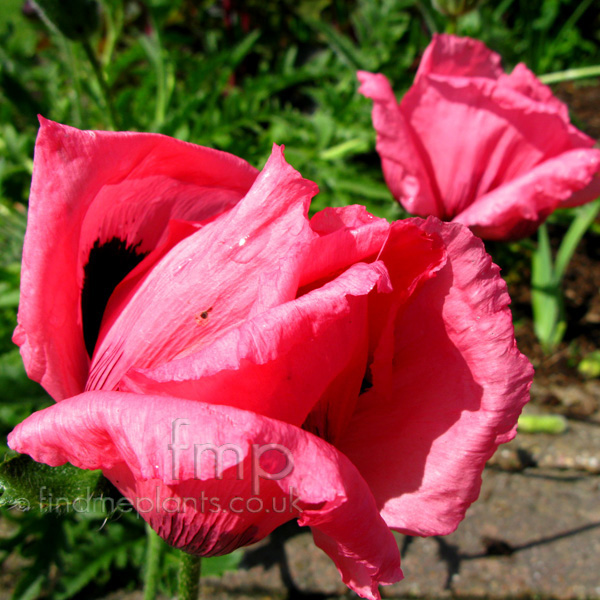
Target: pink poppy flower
256,367
472,145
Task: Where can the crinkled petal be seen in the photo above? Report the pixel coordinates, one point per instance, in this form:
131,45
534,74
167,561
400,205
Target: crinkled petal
406,166
459,384
459,57
346,235
525,82
501,135
517,208
134,439
465,129
93,188
412,257
588,194
283,361
350,234
211,281
359,576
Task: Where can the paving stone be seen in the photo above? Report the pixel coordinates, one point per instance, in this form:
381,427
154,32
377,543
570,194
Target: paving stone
531,534
577,448
534,534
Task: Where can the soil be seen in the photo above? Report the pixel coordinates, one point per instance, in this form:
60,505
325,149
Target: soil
583,99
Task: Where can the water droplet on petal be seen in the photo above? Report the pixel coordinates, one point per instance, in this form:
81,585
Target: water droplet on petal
181,266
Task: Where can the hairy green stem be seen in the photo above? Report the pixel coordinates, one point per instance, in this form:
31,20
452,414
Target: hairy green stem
154,550
114,26
189,577
73,67
427,16
104,90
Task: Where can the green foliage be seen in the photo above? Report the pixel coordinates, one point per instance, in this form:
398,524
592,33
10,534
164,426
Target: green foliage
547,301
75,19
549,35
454,8
31,485
65,553
87,550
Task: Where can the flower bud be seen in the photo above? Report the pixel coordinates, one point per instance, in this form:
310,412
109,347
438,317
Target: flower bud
454,8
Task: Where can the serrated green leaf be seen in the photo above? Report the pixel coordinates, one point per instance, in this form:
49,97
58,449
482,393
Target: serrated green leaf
91,566
344,47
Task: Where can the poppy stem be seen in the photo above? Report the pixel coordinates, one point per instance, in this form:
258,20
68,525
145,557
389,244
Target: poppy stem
189,577
154,551
570,74
104,89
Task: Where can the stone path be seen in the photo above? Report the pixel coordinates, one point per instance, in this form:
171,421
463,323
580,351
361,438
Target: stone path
534,533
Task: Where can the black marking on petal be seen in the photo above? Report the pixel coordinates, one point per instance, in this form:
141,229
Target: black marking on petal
366,384
108,264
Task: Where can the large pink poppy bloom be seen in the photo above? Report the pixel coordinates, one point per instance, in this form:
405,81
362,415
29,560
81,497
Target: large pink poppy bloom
256,366
473,145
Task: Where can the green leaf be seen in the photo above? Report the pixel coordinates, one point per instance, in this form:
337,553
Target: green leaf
27,484
27,589
215,566
113,548
546,297
343,46
585,217
8,298
347,148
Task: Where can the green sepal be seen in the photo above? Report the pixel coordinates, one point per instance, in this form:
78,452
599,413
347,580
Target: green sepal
27,484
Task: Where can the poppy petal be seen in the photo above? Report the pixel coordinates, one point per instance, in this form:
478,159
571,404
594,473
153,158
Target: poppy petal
214,273
459,384
99,202
245,458
517,208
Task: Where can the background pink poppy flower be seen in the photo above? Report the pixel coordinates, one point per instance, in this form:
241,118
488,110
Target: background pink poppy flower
471,144
310,342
